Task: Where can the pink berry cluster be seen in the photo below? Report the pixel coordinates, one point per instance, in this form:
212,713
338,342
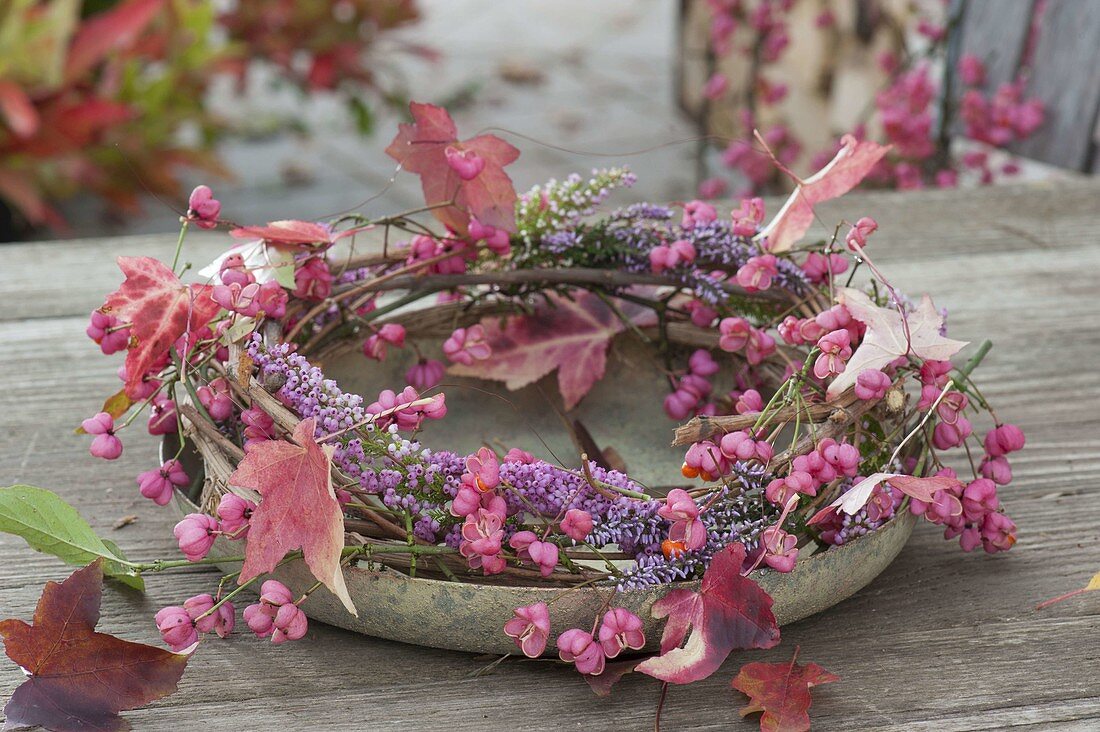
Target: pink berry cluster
277,615
588,650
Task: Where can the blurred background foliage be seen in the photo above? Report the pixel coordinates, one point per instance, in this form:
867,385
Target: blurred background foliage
111,97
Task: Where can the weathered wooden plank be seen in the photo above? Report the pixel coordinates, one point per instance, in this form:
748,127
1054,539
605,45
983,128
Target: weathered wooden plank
996,32
1064,75
941,640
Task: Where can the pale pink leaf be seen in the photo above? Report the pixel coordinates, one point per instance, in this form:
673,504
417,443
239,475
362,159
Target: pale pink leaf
923,489
570,335
843,173
886,338
299,509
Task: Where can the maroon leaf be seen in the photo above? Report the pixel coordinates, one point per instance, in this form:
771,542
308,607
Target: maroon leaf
571,335
781,691
81,679
728,612
421,148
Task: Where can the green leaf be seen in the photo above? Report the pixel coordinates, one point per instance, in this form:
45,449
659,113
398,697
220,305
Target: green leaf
50,525
284,275
364,117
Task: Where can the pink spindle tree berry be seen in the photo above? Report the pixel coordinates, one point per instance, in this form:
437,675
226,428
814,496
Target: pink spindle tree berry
872,384
390,334
235,513
530,628
741,445
780,549
620,630
733,334
162,417
105,445
857,235
780,490
176,628
467,345
485,469
258,426
466,163
216,399
157,484
425,374
276,614
496,240
202,208
836,349
542,553
313,279
577,524
757,273
697,213
580,648
482,534
687,527
1004,439
820,268
196,534
108,333
221,621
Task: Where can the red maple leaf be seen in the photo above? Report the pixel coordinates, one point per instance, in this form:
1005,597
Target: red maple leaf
421,148
81,679
843,173
159,309
729,611
299,509
781,691
571,335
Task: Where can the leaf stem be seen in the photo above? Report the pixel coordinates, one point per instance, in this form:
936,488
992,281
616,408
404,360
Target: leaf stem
179,246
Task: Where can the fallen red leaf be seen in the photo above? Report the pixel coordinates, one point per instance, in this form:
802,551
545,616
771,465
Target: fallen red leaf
781,691
299,509
571,335
117,28
159,309
729,611
843,173
421,147
81,679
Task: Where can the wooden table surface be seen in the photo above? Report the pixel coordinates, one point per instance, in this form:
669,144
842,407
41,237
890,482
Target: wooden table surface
940,641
